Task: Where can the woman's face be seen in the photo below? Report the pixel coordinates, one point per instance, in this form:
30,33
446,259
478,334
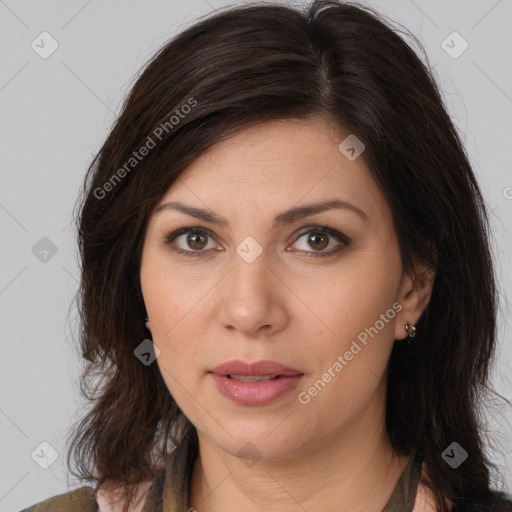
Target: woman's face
319,293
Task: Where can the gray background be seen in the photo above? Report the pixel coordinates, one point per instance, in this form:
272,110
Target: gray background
55,113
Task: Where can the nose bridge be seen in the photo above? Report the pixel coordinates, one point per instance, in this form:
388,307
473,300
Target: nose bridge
249,297
250,267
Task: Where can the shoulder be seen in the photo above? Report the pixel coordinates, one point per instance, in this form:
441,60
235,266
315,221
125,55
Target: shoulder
84,499
425,501
78,500
108,499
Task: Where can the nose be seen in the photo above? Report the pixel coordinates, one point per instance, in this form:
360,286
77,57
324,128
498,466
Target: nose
253,299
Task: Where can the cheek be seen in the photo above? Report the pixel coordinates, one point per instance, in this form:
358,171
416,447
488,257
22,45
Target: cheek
358,310
176,300
166,296
353,297
166,308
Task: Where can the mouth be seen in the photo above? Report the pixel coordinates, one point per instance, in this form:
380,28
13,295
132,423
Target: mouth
255,384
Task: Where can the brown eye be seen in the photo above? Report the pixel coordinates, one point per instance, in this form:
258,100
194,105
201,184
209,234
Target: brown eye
190,241
317,239
196,241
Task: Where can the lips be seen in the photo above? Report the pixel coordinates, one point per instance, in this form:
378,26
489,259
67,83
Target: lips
255,384
239,368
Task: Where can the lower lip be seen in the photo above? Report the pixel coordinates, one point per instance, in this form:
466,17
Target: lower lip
255,393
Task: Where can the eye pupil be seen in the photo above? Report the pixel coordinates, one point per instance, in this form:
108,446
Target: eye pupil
319,236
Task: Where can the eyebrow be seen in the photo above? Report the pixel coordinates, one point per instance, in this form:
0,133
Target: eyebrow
283,219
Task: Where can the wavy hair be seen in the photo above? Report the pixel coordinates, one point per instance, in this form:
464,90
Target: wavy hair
237,68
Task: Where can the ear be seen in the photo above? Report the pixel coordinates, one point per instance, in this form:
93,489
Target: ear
414,295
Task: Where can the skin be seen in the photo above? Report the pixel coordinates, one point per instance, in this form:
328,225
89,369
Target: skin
333,452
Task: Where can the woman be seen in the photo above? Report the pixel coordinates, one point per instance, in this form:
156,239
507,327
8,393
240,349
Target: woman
287,284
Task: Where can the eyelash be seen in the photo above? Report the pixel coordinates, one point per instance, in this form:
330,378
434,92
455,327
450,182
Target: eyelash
343,239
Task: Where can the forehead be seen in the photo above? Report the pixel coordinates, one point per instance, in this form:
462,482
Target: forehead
277,164
280,148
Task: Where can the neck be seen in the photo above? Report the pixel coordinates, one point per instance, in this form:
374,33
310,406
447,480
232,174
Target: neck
355,470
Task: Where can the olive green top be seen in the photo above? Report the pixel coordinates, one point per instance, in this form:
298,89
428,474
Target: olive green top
162,498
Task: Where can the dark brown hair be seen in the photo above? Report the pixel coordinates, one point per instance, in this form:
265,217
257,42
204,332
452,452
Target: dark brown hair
235,69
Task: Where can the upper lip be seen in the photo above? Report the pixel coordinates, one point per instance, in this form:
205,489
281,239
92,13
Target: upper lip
257,368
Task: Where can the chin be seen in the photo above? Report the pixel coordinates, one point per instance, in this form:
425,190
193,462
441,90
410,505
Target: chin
262,442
